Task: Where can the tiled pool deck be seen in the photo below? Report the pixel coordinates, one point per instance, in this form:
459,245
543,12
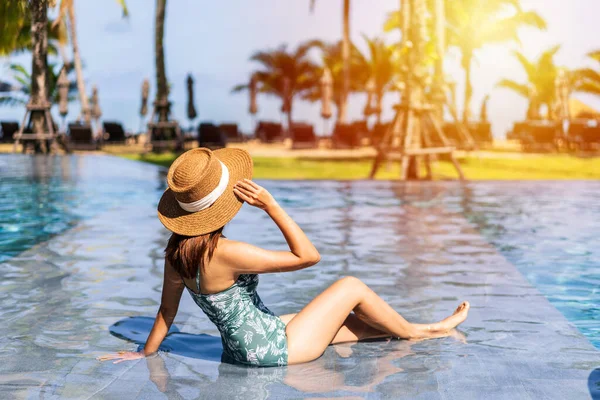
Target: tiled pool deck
59,298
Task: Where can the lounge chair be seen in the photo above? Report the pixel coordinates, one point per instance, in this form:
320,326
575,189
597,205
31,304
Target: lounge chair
345,136
481,132
231,132
378,132
540,134
268,132
362,129
303,136
81,137
209,135
583,134
114,132
8,129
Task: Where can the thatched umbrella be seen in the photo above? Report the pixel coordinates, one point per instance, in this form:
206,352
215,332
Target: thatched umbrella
95,111
144,107
191,109
483,115
94,104
326,93
562,95
63,93
253,90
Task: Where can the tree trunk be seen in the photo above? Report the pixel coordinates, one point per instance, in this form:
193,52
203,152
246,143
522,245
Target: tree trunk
342,116
466,64
162,90
39,65
83,99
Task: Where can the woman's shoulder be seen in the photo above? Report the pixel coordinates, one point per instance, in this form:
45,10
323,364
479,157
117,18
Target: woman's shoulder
230,250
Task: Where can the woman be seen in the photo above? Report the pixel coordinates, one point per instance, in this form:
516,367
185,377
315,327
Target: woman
206,190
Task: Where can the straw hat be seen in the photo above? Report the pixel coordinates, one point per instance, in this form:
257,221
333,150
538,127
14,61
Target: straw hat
200,196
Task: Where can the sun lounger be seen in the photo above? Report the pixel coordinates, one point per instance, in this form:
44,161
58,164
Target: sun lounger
231,132
8,129
81,137
345,136
209,135
303,136
268,132
114,132
584,134
537,135
378,132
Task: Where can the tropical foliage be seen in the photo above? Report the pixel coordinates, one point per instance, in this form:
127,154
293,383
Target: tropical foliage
590,78
472,24
285,74
331,57
377,73
346,57
15,28
22,90
540,88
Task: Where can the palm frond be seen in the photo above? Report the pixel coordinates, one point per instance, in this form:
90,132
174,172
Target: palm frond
519,88
240,88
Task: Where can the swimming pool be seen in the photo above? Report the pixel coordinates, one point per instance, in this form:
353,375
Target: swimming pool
88,263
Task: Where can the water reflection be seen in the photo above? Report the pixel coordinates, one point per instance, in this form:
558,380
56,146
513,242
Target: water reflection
345,369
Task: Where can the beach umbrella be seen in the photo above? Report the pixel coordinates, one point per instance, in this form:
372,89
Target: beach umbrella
253,90
96,112
191,109
326,93
145,95
63,93
533,112
562,95
483,115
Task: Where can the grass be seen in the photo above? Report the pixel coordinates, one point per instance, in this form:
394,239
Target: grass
539,167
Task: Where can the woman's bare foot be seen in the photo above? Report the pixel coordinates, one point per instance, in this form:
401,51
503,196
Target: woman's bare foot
447,325
457,318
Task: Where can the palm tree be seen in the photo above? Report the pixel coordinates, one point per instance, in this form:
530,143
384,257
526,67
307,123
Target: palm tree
67,7
474,23
162,88
39,65
331,57
540,88
281,68
379,69
346,49
590,78
15,25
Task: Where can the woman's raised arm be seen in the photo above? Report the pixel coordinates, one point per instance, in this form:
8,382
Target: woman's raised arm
246,258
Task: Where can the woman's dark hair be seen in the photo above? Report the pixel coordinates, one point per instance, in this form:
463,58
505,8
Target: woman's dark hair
188,253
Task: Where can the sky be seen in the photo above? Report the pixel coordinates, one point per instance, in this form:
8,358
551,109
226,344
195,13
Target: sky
213,40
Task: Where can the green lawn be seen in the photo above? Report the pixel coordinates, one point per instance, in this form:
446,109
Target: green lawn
547,166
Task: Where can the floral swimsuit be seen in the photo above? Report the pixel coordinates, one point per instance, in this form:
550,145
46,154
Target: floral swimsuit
250,332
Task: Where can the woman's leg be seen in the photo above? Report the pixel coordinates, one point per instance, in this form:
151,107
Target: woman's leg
316,326
352,330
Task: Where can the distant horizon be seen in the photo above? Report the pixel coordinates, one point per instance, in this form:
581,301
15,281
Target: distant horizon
214,44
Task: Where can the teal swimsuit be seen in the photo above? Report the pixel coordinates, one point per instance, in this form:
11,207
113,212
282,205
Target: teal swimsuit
250,332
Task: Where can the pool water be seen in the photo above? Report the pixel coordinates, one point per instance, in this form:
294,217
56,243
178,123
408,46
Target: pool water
551,232
81,271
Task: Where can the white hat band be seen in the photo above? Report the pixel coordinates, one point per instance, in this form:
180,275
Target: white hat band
210,198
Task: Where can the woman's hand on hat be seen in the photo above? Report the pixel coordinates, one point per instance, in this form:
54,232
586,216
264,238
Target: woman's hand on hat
253,194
